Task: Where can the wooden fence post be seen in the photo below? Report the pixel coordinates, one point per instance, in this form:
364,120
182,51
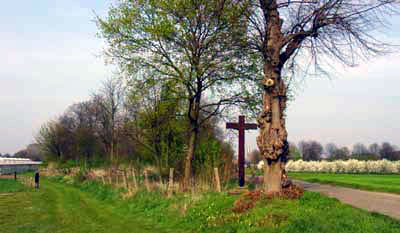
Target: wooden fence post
110,176
171,181
161,183
146,181
125,180
116,179
134,178
217,179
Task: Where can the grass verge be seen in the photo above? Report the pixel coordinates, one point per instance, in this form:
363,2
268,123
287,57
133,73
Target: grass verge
91,207
10,185
371,182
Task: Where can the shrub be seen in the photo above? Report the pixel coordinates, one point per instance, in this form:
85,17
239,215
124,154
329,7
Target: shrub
349,166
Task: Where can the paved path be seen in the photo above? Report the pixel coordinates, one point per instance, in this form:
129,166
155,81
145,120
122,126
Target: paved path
384,203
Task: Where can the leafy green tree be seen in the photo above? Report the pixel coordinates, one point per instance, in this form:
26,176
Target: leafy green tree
195,44
53,140
158,125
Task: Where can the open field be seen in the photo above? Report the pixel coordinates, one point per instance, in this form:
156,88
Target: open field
58,207
372,182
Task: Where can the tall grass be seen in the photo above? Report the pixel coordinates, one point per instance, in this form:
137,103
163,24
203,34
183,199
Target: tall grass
213,212
9,186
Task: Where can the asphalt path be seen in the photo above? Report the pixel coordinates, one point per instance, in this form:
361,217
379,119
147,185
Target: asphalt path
384,203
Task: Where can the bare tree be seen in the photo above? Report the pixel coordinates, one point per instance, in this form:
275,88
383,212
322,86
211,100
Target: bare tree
330,149
386,151
110,101
311,151
287,34
359,149
374,148
342,153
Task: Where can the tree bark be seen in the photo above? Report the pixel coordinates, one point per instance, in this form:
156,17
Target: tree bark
272,139
272,176
112,153
188,160
146,181
171,181
110,176
134,178
217,180
125,179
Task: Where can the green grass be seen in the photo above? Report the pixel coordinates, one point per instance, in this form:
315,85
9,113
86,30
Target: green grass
59,207
372,182
10,185
90,207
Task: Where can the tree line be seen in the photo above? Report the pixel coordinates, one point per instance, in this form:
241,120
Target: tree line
314,151
118,125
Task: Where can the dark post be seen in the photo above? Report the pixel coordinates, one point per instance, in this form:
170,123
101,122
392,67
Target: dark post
15,175
241,126
37,180
241,151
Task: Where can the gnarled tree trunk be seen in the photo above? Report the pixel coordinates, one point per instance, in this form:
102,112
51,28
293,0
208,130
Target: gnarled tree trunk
272,140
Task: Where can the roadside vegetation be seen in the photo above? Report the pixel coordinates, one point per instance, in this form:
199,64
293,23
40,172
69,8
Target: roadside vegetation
372,182
10,185
93,207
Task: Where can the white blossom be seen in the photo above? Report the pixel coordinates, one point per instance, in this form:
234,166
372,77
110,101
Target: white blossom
349,166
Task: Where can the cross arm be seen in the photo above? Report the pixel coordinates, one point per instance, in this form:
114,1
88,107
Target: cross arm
232,125
251,126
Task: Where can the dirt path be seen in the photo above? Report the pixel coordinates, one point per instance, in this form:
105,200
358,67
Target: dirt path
384,203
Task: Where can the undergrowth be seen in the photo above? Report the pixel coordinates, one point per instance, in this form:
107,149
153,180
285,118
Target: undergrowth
215,212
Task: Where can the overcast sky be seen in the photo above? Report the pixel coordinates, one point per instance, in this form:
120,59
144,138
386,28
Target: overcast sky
50,60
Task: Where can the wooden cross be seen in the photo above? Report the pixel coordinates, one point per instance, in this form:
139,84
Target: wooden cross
241,126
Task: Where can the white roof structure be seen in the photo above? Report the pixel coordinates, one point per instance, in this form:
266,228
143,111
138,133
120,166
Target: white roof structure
17,161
